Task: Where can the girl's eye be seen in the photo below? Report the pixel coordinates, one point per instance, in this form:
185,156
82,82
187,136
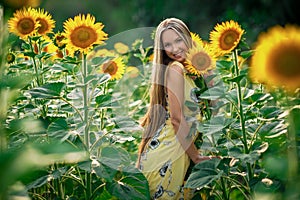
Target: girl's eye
167,45
179,40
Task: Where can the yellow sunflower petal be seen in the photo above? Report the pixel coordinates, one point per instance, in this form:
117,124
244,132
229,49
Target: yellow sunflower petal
59,40
46,22
121,47
82,33
23,3
196,39
226,36
200,59
23,23
132,71
276,60
115,68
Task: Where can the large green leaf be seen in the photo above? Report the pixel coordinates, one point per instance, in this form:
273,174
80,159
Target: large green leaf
213,93
113,156
236,79
224,65
125,124
64,67
47,91
270,112
107,101
132,184
214,125
58,129
14,82
272,129
203,174
58,173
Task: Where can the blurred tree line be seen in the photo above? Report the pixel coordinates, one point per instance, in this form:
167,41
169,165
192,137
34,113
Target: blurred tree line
201,16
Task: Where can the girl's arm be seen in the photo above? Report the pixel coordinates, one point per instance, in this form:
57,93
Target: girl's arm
175,87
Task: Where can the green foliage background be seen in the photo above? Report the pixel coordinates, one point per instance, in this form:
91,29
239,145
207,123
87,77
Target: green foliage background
200,15
42,123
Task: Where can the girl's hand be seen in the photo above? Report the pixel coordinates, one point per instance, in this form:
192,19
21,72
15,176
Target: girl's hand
201,158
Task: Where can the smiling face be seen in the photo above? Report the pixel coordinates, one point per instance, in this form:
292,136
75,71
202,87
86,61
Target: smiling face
174,45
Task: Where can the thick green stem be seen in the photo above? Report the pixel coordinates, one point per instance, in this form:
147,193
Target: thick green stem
85,103
88,183
88,192
241,112
240,106
224,189
37,74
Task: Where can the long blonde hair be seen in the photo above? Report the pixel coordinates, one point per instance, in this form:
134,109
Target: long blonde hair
156,114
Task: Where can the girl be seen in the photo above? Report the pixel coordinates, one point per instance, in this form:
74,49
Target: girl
167,148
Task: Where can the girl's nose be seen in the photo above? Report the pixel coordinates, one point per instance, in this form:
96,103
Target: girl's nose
174,48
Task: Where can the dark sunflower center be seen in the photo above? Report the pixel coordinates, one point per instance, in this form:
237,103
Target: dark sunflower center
201,61
10,57
110,67
83,36
286,62
25,26
228,39
44,26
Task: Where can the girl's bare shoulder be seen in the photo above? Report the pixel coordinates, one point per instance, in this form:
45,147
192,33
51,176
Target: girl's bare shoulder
175,66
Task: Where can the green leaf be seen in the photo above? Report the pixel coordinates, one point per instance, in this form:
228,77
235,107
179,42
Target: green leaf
105,195
272,129
214,125
14,82
30,54
100,60
191,105
58,129
224,65
103,100
236,79
203,174
237,152
268,112
258,97
213,93
294,127
47,91
58,173
246,54
105,171
44,55
113,156
126,124
131,185
103,78
25,46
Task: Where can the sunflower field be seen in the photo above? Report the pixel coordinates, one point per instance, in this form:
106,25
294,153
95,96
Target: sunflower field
71,103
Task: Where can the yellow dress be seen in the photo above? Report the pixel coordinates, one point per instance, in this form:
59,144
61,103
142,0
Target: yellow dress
164,162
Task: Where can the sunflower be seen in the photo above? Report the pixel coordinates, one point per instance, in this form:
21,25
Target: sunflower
121,48
16,4
59,40
82,33
132,71
115,68
196,39
23,23
276,60
10,57
101,53
46,22
199,60
226,36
